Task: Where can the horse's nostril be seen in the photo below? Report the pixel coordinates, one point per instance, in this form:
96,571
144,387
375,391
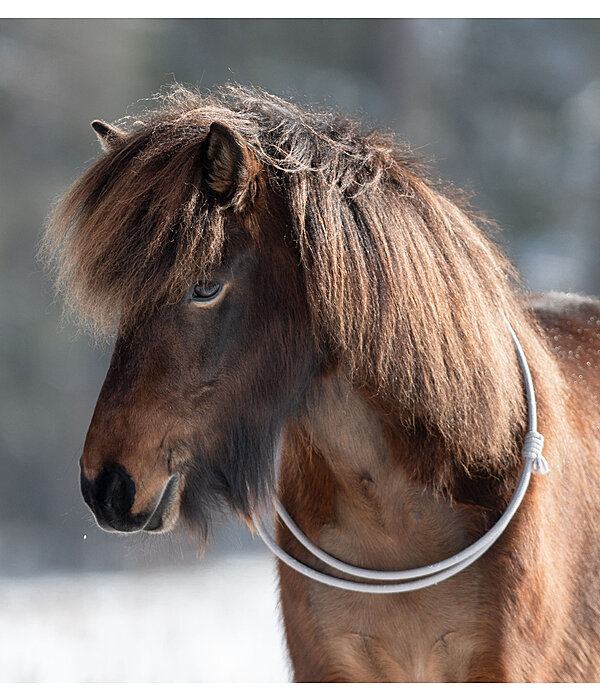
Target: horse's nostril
111,494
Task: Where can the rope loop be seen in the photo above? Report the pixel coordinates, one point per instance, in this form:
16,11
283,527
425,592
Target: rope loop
432,574
532,452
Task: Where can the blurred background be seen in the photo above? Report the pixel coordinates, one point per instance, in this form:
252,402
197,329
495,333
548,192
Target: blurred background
509,109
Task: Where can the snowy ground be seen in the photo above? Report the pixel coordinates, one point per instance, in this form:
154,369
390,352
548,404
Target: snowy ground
216,622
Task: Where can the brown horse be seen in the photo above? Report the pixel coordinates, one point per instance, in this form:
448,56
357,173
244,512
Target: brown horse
300,309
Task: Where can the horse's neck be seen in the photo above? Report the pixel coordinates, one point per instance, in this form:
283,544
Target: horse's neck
371,513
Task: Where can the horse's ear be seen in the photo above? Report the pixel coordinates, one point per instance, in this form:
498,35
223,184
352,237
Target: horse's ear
230,169
108,135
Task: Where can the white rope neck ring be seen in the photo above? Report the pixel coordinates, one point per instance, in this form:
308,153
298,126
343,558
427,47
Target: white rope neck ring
424,576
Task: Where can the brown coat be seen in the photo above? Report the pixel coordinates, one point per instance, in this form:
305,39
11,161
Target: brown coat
358,325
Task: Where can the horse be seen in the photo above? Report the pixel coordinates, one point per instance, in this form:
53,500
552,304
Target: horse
302,310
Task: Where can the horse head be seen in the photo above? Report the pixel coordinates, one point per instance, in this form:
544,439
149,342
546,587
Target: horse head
201,384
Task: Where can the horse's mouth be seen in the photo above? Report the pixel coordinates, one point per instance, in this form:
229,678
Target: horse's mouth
165,514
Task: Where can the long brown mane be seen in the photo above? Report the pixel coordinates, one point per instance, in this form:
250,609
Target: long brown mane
403,286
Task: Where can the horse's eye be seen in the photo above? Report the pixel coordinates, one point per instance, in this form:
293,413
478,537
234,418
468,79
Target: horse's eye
207,291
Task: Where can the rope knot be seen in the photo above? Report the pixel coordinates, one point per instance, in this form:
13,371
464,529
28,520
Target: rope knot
532,452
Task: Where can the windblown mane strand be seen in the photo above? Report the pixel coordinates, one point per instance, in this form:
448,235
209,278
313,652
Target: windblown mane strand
403,285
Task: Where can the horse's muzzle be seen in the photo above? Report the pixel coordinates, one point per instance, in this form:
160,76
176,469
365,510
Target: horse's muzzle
110,497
